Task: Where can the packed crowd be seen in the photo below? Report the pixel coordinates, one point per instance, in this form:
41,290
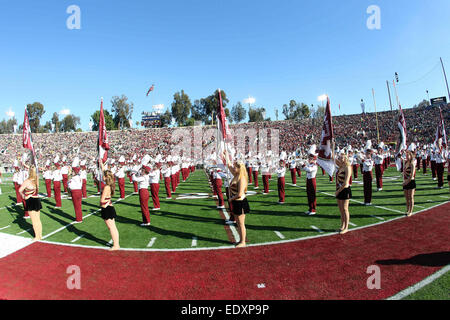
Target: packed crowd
293,135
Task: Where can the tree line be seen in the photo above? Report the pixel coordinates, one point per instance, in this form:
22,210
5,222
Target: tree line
182,112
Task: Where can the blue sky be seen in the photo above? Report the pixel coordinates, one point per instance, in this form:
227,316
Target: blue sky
272,50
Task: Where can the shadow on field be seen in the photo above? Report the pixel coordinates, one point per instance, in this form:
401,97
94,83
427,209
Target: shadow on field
435,259
18,214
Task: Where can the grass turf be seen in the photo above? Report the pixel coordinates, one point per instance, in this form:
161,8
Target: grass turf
182,219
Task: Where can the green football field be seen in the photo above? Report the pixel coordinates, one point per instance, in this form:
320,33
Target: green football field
192,213
191,219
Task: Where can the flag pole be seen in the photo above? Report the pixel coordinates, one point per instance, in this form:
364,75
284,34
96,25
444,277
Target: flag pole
376,115
445,77
396,94
389,94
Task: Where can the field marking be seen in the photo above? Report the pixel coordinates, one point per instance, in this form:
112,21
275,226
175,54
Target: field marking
445,197
21,232
420,285
15,205
352,224
73,222
77,238
110,242
280,235
5,227
151,243
317,229
194,242
379,218
419,206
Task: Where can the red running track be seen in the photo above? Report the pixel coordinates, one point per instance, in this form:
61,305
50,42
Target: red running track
407,251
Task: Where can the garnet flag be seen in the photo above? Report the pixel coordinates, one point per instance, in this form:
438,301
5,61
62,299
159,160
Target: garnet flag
27,141
441,137
151,89
325,158
223,131
103,145
402,138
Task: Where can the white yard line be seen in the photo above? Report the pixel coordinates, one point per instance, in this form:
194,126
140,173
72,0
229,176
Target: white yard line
280,235
151,243
317,229
194,242
379,218
352,224
77,238
24,231
421,284
5,227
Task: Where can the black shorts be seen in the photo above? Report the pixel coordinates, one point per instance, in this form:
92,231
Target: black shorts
239,206
33,204
108,213
410,186
345,194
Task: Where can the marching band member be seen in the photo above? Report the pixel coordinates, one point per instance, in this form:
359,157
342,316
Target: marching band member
226,178
433,163
378,161
65,172
409,183
265,172
448,168
17,182
248,165
57,178
173,178
311,172
48,179
367,174
424,160
255,170
166,172
154,186
217,178
74,186
135,168
343,189
120,175
440,162
281,172
83,175
418,158
184,167
352,157
143,182
293,169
